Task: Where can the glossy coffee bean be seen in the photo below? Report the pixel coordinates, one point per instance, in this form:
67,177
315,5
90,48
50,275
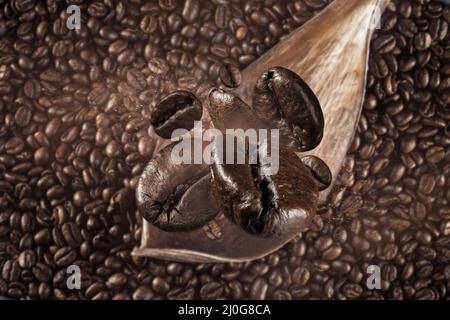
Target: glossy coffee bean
178,110
175,197
230,76
285,101
263,204
319,171
228,111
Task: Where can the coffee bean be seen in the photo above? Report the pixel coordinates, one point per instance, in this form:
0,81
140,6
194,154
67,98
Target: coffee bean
117,47
301,276
116,280
352,291
158,66
397,173
168,5
146,146
27,259
65,256
282,295
178,110
143,293
32,89
234,183
319,171
418,211
41,156
258,290
14,146
427,183
299,292
229,111
97,9
191,10
98,95
302,123
332,253
42,272
159,285
11,271
230,76
42,237
136,79
222,16
435,154
384,44
422,41
23,116
149,24
211,291
184,204
71,234
408,143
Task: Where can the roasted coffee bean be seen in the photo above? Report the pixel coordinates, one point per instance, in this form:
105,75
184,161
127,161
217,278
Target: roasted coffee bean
408,143
352,291
258,290
301,276
435,154
65,256
11,271
14,146
249,195
175,197
42,272
230,76
117,280
284,100
143,293
98,95
222,16
72,234
41,156
427,183
422,41
27,259
23,116
149,24
160,285
228,111
191,10
168,5
384,44
136,79
179,110
319,170
211,291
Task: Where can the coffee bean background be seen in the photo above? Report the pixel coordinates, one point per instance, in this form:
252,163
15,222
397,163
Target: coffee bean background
75,136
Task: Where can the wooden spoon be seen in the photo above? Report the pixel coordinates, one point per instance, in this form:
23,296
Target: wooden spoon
330,52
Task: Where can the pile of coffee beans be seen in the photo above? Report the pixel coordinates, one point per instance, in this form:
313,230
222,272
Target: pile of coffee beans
75,135
263,202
